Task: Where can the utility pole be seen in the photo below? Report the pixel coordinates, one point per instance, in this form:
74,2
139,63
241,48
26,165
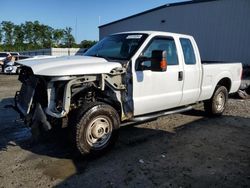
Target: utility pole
76,30
99,20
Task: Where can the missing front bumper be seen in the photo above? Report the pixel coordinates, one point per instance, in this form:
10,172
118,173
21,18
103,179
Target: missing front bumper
24,97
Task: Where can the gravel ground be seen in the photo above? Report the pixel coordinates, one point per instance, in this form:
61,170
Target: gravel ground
181,150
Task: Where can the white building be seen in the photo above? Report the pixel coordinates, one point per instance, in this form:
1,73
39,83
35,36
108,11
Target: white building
220,27
55,51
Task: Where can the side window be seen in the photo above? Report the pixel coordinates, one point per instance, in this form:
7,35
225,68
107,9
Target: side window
188,51
166,44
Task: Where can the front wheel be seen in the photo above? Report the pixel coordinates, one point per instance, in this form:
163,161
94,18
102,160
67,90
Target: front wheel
217,104
95,130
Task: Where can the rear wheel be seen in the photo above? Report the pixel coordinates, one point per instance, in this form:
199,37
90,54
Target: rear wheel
95,129
217,104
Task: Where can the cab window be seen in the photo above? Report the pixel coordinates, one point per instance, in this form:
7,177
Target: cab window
188,51
164,44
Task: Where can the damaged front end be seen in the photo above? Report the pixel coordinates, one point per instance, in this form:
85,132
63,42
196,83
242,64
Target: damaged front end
43,100
48,100
31,99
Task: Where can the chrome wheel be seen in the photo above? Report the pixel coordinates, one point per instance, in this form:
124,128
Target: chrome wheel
220,101
216,105
96,128
99,132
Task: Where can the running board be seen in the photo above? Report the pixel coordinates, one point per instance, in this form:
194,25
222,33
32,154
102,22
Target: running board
153,116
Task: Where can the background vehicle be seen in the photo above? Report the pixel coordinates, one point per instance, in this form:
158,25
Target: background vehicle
3,55
13,67
10,65
126,77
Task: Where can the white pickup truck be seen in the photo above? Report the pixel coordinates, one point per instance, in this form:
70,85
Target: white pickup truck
126,77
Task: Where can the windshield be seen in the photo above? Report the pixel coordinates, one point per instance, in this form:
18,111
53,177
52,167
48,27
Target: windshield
119,46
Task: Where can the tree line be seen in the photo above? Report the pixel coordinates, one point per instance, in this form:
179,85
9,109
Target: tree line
34,35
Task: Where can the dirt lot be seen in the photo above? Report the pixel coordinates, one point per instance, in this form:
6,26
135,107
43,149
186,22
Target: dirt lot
182,150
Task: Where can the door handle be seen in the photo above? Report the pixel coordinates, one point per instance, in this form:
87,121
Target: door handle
180,75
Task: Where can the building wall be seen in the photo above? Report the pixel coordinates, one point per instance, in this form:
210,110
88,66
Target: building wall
221,28
55,52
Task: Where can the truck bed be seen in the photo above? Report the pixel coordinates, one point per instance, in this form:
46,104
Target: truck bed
214,71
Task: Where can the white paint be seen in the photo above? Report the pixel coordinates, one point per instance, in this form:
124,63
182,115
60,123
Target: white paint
70,65
152,91
156,91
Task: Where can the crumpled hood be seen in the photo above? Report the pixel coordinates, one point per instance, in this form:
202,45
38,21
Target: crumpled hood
69,65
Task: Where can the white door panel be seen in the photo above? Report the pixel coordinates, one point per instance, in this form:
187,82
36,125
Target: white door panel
192,72
191,86
155,91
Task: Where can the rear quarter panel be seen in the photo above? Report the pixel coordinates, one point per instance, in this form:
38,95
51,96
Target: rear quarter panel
213,73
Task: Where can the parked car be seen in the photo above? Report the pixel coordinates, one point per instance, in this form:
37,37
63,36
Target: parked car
3,55
126,77
10,65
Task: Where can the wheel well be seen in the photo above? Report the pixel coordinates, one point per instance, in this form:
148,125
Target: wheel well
98,95
225,82
102,97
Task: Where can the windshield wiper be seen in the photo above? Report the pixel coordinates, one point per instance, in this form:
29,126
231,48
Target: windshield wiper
107,58
96,55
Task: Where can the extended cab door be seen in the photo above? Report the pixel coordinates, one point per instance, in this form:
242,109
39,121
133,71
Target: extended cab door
192,71
155,91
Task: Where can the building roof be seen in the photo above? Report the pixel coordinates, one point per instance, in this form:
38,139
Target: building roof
153,32
158,8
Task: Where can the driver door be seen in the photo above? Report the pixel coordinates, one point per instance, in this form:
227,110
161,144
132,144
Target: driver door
156,91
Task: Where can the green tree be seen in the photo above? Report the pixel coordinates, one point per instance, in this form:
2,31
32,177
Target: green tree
36,34
8,28
1,35
68,37
1,38
58,35
28,30
46,36
87,43
18,35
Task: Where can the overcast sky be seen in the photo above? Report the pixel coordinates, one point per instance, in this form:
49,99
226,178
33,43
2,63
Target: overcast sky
84,16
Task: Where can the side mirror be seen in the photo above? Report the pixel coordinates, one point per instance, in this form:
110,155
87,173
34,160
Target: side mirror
143,58
141,63
159,61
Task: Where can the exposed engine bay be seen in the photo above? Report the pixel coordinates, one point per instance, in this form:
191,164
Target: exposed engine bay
46,99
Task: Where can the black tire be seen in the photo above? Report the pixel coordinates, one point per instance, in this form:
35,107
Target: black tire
95,128
217,104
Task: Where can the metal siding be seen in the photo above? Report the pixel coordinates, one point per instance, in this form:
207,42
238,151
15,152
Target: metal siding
221,28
